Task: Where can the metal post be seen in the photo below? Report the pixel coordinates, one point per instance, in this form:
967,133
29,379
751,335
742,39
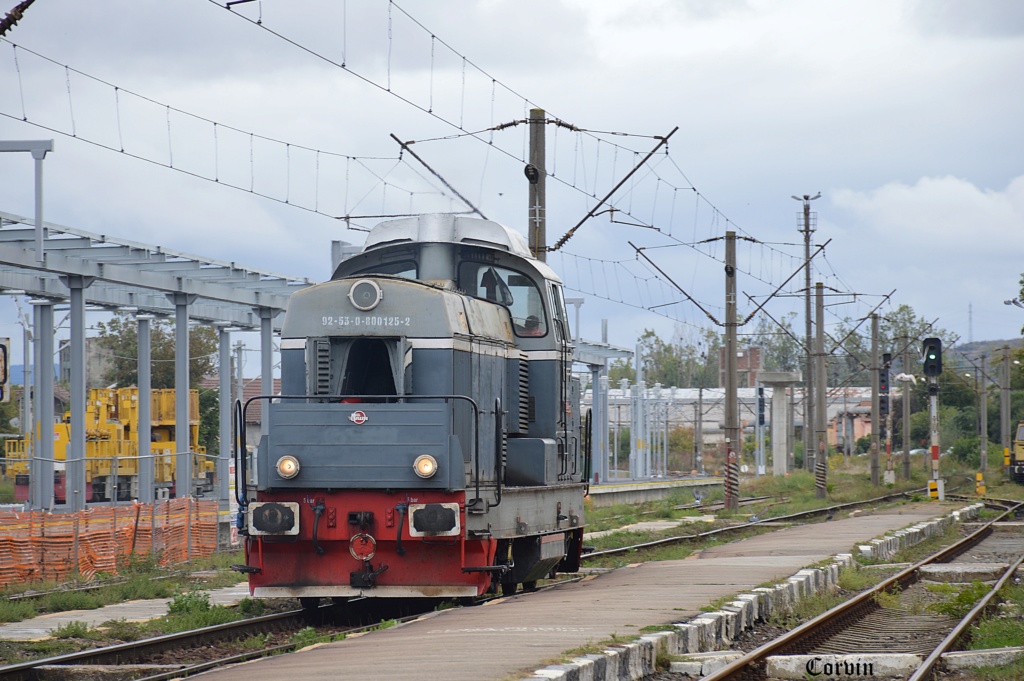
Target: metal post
42,457
38,149
182,431
75,480
601,424
147,463
698,437
239,383
266,364
224,477
26,387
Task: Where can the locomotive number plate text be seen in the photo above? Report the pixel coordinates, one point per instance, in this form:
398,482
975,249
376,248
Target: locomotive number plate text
365,321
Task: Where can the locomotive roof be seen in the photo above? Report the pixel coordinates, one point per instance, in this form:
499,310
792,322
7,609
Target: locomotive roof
445,227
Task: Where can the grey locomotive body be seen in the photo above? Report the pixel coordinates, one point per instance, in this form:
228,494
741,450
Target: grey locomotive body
427,441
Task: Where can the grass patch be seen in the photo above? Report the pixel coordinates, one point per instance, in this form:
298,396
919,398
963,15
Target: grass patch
958,599
257,642
123,630
805,609
16,611
1006,626
858,579
306,637
74,630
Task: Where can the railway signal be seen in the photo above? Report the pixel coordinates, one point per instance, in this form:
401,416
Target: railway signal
932,353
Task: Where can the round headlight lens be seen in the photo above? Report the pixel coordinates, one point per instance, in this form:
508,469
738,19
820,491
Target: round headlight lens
365,295
288,467
425,465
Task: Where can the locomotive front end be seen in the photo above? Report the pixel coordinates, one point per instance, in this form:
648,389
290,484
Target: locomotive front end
361,482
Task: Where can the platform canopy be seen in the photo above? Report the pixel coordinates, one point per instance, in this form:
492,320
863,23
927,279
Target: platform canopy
130,276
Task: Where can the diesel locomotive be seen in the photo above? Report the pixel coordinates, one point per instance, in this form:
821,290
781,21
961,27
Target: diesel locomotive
428,440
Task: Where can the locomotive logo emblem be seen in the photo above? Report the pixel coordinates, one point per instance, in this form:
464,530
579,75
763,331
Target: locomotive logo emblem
358,417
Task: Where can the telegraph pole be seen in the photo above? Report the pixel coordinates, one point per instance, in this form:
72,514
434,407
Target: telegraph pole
983,416
1004,404
809,363
733,434
874,399
820,390
536,174
905,391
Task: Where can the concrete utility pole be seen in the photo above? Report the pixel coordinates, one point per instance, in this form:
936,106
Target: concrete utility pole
983,414
536,174
820,391
905,392
809,363
874,399
733,434
1004,404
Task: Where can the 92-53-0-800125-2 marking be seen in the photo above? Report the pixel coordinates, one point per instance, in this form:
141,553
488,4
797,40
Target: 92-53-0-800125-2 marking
368,321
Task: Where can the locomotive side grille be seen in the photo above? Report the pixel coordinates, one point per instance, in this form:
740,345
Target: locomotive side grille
526,407
323,366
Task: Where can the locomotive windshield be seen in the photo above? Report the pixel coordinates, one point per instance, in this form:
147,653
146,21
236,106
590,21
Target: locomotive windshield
401,268
509,288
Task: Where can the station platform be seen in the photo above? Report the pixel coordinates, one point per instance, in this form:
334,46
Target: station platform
640,491
511,637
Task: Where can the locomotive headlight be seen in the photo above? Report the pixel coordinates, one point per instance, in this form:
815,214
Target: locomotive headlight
425,465
365,295
288,467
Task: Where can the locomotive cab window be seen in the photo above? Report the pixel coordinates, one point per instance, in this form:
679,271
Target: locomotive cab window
509,288
558,312
400,268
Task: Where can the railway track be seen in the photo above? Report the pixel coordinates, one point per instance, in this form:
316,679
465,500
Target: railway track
217,639
884,623
190,652
183,654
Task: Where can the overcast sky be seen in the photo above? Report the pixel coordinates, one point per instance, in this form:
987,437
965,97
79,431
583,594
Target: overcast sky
906,116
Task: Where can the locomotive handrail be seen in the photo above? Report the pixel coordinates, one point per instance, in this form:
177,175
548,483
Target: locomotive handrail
240,467
499,452
238,429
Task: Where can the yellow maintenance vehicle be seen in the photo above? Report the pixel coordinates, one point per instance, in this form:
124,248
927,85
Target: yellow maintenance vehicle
112,447
1016,462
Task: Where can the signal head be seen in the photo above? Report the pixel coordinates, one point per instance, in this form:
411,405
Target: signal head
931,350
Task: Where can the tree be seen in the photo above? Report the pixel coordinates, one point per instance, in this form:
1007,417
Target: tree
780,349
119,339
852,358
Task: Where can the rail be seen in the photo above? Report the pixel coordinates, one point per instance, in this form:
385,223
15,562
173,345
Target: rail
745,666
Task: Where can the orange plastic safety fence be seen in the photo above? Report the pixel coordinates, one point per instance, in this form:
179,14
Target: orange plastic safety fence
37,545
